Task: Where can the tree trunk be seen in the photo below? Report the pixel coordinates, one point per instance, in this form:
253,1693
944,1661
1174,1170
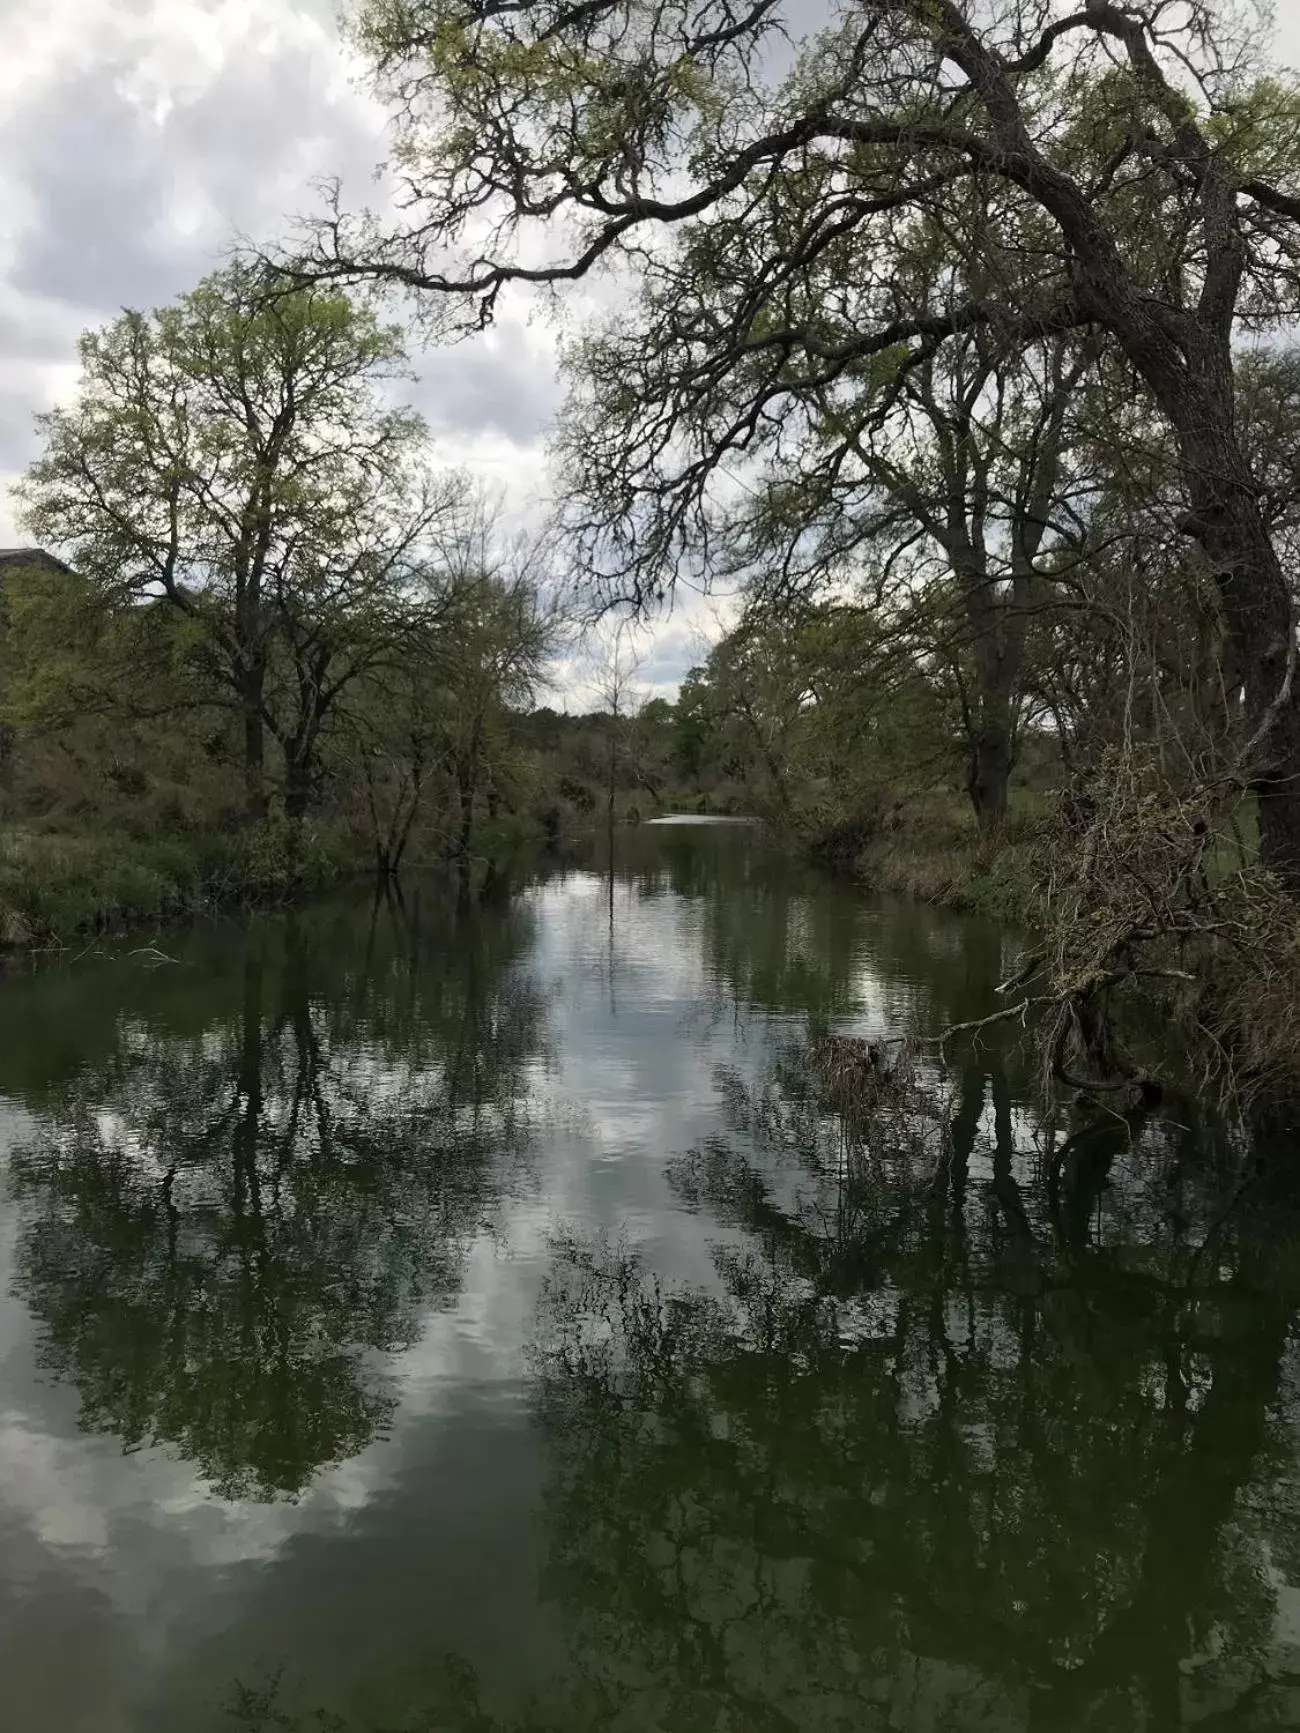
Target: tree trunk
465,794
1193,382
251,681
467,787
299,772
1228,524
403,824
249,671
997,639
988,772
8,755
254,759
297,789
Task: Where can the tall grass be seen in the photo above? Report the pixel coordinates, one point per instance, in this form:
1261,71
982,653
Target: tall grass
934,852
58,885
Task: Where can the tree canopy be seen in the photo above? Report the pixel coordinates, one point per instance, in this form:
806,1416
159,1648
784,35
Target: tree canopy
1123,178
235,458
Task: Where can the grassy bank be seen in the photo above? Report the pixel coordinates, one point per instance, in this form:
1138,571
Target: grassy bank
62,882
933,852
58,885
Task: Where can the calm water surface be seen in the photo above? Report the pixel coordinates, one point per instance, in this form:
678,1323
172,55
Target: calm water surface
473,1317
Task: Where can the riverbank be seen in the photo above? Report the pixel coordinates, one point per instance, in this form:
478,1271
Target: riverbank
935,854
1214,954
933,851
60,885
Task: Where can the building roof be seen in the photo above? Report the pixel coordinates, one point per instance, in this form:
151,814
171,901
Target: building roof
31,557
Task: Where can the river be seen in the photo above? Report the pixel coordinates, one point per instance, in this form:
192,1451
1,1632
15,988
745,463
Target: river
473,1315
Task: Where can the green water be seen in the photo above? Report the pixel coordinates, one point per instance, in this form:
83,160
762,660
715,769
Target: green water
473,1315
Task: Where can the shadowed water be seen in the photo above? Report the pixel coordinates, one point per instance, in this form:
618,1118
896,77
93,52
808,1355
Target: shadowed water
474,1314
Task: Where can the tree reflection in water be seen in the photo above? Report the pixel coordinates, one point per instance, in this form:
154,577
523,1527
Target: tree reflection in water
926,1456
232,1222
968,1428
965,1435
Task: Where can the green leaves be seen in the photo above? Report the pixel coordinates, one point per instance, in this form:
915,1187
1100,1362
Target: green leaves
235,457
1259,131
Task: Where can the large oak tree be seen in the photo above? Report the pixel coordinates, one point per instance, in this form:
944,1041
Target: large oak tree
235,458
1148,170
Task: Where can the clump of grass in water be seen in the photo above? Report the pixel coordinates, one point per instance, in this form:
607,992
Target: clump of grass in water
861,1075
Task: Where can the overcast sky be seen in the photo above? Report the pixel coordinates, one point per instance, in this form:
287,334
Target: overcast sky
136,136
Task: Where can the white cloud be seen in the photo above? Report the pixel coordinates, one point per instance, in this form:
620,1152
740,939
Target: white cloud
138,136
